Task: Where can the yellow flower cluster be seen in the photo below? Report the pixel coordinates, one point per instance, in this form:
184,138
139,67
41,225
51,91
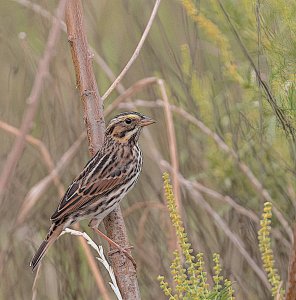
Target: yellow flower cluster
267,253
190,278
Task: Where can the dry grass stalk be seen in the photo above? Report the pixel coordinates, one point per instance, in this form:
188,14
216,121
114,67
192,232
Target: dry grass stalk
34,286
40,188
41,147
172,144
32,101
135,88
93,266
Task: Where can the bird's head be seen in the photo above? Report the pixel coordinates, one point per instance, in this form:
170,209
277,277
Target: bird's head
126,127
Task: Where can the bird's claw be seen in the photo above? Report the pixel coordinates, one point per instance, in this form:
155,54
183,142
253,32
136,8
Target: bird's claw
125,252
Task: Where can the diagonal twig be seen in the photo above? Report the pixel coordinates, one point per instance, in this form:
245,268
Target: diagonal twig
38,189
136,52
42,148
135,88
101,258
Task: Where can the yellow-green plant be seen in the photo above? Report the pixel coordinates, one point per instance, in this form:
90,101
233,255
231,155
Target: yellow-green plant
267,253
190,277
214,34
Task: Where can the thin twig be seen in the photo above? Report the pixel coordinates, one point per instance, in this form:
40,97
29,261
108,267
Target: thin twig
38,189
259,52
172,144
135,88
101,258
42,148
93,266
136,53
32,101
34,286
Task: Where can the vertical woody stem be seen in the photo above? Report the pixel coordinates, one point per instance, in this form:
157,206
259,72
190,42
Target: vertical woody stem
94,120
85,79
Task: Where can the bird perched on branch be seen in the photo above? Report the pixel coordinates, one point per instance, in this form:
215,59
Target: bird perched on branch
104,181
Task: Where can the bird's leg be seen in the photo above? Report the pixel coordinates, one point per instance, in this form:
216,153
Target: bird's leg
111,242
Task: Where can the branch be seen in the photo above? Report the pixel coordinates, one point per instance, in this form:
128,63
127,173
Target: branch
43,151
93,115
32,102
101,258
135,88
85,78
136,53
39,188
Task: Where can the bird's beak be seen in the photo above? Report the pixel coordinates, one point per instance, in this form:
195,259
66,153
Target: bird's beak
146,121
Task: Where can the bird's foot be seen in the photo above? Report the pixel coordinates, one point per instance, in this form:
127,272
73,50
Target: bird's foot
115,245
123,251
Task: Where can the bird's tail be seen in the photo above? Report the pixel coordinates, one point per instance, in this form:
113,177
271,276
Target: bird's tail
51,237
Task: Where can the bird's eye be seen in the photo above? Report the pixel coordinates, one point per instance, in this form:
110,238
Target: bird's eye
128,121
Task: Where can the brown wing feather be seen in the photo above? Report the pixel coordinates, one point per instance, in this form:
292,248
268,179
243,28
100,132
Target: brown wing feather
79,193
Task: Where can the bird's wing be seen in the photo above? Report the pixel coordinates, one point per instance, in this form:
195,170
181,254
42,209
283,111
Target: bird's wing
85,188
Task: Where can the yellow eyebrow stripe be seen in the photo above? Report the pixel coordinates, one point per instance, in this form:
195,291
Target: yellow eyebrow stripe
128,116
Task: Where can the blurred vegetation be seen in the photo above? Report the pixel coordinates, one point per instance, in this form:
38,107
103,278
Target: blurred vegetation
191,280
193,48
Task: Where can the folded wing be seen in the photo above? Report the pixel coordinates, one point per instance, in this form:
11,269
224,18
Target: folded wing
85,188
